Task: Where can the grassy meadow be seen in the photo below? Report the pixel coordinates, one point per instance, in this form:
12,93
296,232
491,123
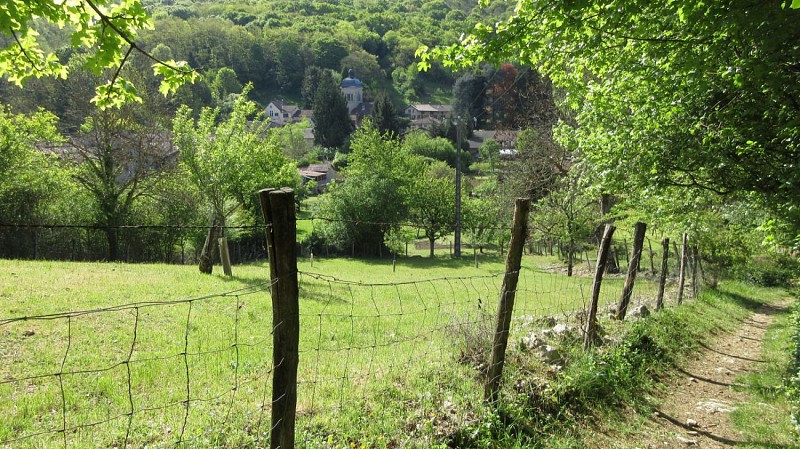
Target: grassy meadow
112,352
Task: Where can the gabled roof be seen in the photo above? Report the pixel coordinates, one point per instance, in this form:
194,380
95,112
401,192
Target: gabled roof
432,107
282,106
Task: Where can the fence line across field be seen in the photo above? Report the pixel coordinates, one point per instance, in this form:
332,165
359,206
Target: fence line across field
356,341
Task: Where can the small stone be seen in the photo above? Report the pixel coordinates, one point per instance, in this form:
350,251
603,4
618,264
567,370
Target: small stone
532,341
641,311
712,407
692,379
686,441
28,333
550,355
692,423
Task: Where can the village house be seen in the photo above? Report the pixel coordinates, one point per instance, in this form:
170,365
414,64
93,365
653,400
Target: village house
320,174
427,116
281,113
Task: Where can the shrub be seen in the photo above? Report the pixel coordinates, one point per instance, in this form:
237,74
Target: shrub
773,270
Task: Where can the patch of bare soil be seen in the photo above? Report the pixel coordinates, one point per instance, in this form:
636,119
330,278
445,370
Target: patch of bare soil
696,410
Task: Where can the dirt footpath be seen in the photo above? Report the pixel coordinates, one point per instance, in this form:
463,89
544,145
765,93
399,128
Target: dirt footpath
696,411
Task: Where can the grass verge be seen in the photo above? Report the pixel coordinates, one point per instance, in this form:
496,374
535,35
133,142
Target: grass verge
606,393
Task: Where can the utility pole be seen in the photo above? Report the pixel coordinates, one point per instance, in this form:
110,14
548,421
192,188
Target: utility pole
457,239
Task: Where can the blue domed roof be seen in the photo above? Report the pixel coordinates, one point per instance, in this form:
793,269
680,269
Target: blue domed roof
351,81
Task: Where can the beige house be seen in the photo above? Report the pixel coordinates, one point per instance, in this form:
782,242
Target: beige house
428,111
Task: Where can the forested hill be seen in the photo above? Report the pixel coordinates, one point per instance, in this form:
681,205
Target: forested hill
272,43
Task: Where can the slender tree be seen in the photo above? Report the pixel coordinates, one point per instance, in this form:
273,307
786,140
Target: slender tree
385,117
332,123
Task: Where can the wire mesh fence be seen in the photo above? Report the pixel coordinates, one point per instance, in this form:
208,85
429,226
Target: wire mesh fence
177,372
405,361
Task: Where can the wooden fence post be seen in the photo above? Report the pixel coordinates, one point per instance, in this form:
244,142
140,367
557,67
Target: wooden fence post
281,232
682,272
508,293
662,280
602,258
633,268
225,256
695,287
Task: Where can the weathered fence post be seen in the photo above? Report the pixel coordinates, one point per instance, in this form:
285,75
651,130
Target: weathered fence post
695,288
652,257
602,258
682,272
225,256
508,293
633,268
662,280
281,229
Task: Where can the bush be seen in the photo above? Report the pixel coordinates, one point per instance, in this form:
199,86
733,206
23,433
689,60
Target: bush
771,270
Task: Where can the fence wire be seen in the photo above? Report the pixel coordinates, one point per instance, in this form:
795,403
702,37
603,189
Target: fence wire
139,373
396,358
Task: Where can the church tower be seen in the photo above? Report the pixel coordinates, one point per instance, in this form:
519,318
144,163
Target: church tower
353,91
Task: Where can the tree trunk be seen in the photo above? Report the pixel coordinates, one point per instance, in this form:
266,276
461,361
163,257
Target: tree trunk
432,241
570,257
606,201
113,243
210,246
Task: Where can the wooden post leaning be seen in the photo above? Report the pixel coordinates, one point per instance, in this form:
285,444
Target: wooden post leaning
224,256
602,258
508,293
662,280
639,230
682,272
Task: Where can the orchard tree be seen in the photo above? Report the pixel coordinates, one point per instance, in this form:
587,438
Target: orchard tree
28,177
482,213
436,148
432,201
371,202
229,162
107,29
567,214
490,152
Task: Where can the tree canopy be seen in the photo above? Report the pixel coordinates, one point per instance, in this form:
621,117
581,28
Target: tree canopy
229,161
699,95
107,29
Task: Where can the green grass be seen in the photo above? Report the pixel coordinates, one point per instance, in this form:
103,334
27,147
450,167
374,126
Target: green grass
765,420
611,387
379,353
